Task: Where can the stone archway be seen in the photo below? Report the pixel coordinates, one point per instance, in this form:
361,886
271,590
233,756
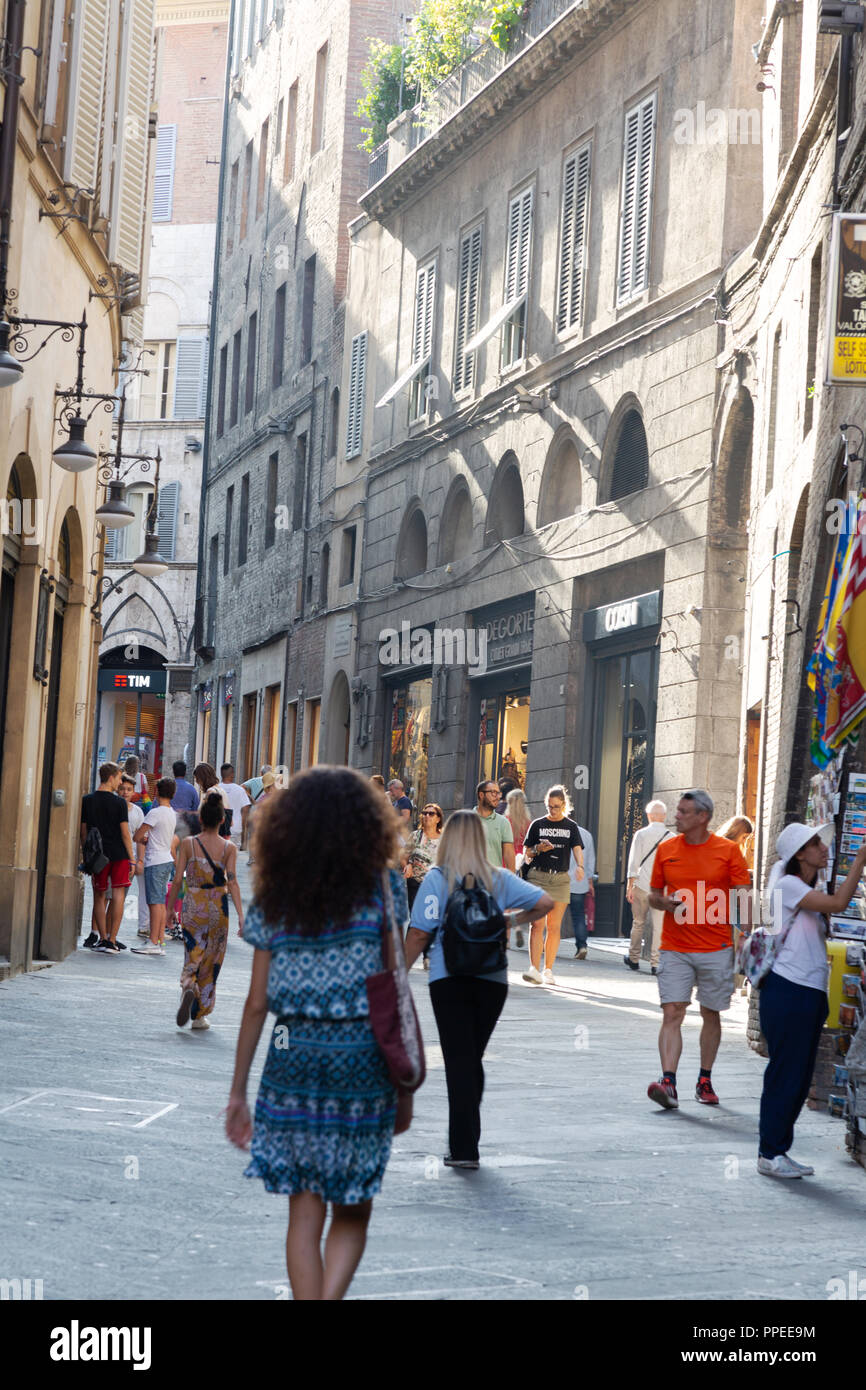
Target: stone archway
339,717
560,492
457,526
412,544
505,511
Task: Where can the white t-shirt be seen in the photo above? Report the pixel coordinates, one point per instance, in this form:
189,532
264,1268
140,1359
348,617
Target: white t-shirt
641,855
162,821
237,799
136,818
802,958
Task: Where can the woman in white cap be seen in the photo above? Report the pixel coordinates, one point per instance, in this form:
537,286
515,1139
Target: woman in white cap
794,994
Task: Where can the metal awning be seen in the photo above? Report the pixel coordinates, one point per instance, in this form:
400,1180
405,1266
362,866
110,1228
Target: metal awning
498,319
409,375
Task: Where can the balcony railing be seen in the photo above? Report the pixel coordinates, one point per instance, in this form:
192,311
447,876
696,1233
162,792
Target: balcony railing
468,78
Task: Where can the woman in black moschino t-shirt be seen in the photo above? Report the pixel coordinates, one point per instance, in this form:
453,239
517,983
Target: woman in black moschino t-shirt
549,844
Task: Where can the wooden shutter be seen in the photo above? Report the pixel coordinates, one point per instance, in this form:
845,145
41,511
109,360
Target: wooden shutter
518,246
109,112
189,378
355,410
468,294
575,203
425,291
129,191
163,174
55,58
86,87
166,519
636,212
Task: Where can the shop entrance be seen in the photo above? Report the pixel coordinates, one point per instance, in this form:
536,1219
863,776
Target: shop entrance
500,723
624,724
410,737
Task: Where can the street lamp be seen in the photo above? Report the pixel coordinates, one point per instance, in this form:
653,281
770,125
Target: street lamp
75,454
150,563
11,369
114,511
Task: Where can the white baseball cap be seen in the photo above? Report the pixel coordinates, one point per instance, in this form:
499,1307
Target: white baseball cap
796,835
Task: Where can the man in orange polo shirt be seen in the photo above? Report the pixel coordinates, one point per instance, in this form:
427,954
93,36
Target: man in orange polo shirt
691,883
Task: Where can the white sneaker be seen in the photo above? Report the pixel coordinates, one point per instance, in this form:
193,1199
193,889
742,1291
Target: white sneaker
805,1168
199,1023
779,1167
547,977
533,976
149,950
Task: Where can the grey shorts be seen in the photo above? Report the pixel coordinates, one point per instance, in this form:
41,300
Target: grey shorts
156,881
711,971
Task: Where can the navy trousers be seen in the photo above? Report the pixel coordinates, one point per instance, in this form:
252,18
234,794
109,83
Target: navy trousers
577,907
792,1017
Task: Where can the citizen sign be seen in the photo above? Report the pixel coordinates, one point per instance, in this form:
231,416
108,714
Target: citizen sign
621,615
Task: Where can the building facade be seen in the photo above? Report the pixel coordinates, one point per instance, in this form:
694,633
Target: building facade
551,577
75,178
146,654
291,176
791,439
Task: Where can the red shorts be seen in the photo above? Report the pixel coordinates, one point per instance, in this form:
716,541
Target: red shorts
120,873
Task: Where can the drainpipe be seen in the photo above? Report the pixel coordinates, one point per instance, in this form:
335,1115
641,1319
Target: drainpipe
760,830
13,40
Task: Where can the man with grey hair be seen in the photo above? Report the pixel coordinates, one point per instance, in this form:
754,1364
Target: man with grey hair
691,883
641,857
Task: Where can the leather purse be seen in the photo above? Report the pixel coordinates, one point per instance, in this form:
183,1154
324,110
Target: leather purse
392,1009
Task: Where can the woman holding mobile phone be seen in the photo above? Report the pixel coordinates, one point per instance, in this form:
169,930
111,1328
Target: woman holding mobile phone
550,842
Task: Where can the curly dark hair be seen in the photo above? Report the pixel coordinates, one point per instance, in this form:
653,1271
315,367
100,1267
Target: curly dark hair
320,846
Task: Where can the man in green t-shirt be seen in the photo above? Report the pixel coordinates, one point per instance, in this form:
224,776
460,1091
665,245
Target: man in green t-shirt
497,830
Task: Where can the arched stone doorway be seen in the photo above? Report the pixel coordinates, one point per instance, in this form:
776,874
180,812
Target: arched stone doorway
339,721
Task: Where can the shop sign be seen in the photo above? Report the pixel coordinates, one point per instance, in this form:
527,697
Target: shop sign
614,619
228,687
132,682
205,699
509,630
846,302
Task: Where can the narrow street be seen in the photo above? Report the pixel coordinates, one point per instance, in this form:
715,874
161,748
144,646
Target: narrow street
118,1182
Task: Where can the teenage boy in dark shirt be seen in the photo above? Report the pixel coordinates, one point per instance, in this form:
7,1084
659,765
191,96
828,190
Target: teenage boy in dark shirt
107,811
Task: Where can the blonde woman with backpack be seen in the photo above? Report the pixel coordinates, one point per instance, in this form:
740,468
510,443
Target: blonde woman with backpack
468,975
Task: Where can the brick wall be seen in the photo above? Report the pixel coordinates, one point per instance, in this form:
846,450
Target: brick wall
191,90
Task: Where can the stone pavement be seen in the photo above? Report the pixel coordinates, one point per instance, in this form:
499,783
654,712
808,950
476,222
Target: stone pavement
117,1181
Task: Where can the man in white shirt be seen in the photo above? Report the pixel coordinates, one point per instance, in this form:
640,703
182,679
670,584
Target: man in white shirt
136,820
579,888
641,857
239,802
157,834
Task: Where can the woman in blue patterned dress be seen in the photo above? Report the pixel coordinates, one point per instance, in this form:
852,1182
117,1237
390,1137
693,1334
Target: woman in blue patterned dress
326,1110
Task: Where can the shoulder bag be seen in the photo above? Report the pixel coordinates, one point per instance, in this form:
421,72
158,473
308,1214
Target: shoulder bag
219,873
392,1008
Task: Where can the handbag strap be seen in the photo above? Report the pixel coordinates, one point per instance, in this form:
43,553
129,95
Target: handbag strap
652,851
207,856
391,934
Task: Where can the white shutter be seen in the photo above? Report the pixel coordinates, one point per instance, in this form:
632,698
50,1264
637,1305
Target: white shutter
55,58
109,112
636,211
189,378
575,202
518,246
163,174
468,294
129,191
112,535
166,519
86,85
355,410
425,293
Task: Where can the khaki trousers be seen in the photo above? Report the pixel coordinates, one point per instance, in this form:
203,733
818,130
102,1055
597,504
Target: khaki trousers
639,909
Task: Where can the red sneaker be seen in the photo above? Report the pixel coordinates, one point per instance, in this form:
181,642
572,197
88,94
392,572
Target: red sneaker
664,1093
704,1092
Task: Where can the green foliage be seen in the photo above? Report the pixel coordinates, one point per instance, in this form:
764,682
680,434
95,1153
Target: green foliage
381,103
442,33
505,15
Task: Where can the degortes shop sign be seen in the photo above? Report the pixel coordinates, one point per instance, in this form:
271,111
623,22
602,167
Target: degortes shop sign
509,628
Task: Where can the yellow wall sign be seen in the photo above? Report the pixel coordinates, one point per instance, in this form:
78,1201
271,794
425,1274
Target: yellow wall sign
846,306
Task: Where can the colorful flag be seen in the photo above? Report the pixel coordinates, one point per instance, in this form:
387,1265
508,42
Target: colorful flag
822,673
849,708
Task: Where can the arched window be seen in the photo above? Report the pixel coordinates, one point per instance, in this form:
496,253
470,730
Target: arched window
735,460
505,515
412,546
560,483
630,471
64,554
455,531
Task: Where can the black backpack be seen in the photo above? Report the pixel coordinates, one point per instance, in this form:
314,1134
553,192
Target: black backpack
473,931
93,857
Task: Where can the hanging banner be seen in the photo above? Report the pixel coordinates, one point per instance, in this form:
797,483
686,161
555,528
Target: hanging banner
846,302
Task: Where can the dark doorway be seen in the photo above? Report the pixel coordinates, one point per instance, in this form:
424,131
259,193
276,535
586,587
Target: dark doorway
47,787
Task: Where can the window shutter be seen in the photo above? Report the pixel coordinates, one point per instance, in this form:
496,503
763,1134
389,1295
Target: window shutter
189,378
55,57
425,288
109,113
355,409
637,175
468,287
129,193
518,245
163,175
575,202
86,86
112,535
166,519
